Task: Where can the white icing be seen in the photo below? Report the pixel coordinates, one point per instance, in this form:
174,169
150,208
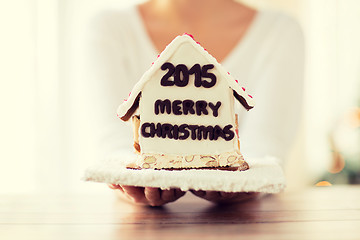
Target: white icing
264,175
152,91
165,55
184,50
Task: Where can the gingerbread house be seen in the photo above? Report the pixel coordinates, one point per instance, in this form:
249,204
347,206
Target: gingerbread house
182,110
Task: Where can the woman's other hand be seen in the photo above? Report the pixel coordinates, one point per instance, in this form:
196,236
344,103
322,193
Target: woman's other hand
225,197
148,195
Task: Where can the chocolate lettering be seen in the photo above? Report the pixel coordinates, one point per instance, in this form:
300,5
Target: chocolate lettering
205,132
201,108
165,79
162,106
181,77
206,74
145,133
193,129
196,69
218,132
176,132
176,108
152,130
228,133
188,107
184,131
215,108
157,130
167,130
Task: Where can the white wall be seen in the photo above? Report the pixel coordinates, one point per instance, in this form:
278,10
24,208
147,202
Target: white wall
17,95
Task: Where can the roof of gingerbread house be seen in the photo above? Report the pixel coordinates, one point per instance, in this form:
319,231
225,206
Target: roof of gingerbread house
129,106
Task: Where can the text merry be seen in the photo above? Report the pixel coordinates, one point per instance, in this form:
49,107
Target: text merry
186,107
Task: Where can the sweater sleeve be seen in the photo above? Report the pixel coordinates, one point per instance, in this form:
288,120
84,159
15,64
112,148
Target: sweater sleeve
110,84
270,128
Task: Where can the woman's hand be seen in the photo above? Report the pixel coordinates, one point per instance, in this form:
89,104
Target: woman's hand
148,195
225,197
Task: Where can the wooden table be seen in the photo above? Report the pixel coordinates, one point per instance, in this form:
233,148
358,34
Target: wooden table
313,213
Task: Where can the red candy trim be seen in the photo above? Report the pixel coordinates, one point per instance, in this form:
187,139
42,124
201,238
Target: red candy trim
128,98
250,96
189,35
243,89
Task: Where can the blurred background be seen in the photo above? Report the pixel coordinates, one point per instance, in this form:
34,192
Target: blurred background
46,131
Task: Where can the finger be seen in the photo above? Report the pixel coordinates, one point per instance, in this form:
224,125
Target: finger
228,195
212,195
238,197
248,195
168,195
119,187
198,193
135,193
153,196
179,193
113,186
116,187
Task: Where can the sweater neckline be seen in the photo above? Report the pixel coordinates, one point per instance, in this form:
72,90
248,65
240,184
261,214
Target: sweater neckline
240,46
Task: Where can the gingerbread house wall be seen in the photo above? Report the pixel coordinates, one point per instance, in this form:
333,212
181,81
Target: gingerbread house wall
153,91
